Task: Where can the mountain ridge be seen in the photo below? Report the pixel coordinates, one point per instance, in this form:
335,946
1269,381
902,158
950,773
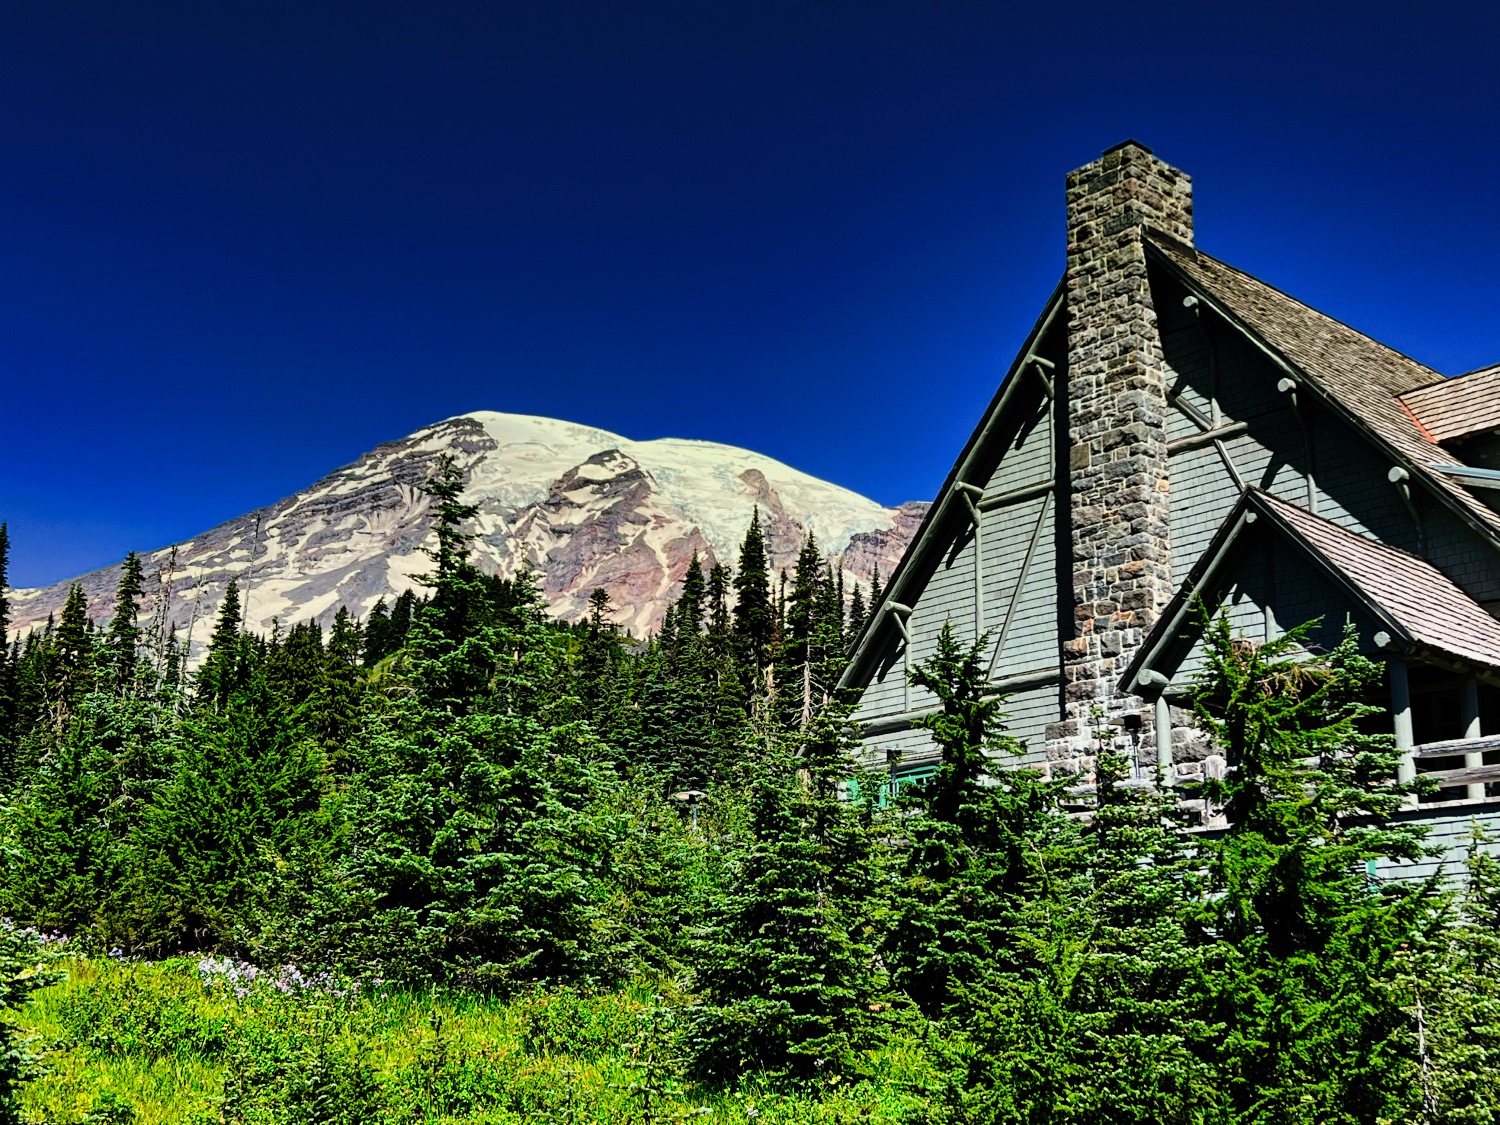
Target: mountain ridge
581,506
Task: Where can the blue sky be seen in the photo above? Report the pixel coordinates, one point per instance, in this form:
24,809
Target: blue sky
242,244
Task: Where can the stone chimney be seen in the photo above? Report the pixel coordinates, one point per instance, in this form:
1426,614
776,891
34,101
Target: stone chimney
1117,409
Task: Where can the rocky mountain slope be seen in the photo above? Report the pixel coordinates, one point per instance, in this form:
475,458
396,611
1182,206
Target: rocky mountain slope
581,506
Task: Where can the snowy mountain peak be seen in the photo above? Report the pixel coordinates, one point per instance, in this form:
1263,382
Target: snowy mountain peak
581,506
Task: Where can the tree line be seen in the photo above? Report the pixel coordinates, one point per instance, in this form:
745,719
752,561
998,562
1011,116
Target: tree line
460,790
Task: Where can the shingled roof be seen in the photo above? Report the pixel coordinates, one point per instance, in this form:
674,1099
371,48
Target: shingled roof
1465,404
1411,596
1351,372
1412,592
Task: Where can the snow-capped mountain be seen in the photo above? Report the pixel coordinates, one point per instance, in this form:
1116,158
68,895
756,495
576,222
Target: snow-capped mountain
581,506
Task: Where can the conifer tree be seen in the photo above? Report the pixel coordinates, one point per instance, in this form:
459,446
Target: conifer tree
401,612
123,640
378,638
856,616
1314,941
719,627
983,845
753,614
451,639
786,967
605,675
222,668
1452,996
690,601
339,686
72,657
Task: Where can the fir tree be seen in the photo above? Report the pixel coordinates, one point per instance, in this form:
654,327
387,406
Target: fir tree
690,601
72,657
984,846
222,668
123,640
451,636
786,967
401,612
856,615
599,666
753,614
378,640
1312,1007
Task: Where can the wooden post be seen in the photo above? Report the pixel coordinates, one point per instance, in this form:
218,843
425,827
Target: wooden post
1401,718
1469,713
1163,725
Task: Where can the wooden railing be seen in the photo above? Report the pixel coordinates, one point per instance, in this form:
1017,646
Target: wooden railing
1474,774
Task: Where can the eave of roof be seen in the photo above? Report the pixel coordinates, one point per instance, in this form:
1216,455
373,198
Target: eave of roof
1415,601
1355,376
865,645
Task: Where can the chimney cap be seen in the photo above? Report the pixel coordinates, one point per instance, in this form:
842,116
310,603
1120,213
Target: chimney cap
1127,143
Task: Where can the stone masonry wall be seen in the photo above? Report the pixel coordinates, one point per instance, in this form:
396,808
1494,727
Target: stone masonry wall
1117,409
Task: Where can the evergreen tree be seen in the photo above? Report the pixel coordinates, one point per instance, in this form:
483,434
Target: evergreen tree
401,612
1314,1026
123,640
451,636
1452,995
786,966
753,614
340,686
599,668
72,657
8,660
856,615
690,601
378,640
984,846
223,667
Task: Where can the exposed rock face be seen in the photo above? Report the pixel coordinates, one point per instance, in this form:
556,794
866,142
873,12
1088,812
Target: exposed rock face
582,507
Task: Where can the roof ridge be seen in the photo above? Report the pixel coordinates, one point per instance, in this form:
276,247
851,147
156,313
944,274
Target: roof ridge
1199,253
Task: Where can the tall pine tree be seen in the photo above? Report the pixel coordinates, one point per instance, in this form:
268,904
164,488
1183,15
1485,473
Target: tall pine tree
122,643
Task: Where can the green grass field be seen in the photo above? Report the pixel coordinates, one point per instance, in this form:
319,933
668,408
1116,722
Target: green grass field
165,1043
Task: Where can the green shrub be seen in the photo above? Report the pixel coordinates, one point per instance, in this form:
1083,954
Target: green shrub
142,1011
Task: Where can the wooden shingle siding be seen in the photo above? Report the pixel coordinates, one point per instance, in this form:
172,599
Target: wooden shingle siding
1024,458
885,692
1202,493
1451,832
910,747
1028,713
1454,549
1277,576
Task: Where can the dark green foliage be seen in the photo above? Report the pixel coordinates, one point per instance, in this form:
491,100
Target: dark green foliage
223,669
857,615
1314,1026
753,613
124,635
982,845
8,660
786,964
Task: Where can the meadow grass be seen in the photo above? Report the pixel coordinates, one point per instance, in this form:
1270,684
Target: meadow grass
165,1043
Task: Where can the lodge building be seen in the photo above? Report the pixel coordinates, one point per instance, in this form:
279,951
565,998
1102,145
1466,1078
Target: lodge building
1174,430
